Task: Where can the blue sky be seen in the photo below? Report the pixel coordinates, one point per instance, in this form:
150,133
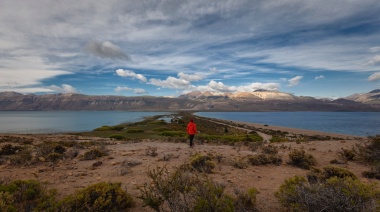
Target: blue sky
324,48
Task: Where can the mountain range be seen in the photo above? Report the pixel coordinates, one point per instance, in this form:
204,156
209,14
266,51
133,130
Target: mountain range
259,100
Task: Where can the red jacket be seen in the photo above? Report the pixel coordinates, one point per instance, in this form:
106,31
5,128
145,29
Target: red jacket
191,128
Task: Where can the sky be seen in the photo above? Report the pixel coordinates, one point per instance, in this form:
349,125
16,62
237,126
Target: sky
318,48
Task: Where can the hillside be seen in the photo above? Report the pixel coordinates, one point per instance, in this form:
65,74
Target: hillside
195,101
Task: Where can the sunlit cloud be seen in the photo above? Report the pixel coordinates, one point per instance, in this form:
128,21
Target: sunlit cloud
64,88
319,77
131,74
294,81
374,77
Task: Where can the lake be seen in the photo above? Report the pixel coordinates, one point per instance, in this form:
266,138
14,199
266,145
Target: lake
37,122
34,122
350,123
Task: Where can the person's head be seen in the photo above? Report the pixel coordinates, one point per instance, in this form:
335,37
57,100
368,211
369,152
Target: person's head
191,120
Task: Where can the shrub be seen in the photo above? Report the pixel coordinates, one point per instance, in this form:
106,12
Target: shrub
347,154
117,136
184,190
277,139
9,149
374,173
245,200
370,153
264,159
334,194
26,195
98,197
301,159
332,171
94,153
239,163
135,131
24,157
202,163
270,149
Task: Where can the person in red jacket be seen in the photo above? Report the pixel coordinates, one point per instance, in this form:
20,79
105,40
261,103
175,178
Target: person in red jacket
191,131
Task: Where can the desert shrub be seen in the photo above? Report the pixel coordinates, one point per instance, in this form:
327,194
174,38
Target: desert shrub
253,146
202,163
135,131
118,128
9,149
54,157
347,154
370,153
130,163
269,149
264,159
240,163
185,190
334,194
374,173
210,197
23,157
26,195
245,201
151,151
117,136
94,153
46,148
301,159
102,196
332,171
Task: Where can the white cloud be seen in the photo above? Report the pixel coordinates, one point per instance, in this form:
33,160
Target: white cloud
319,77
190,77
64,88
140,91
294,81
213,70
106,50
374,61
374,77
170,82
120,89
219,86
375,49
131,74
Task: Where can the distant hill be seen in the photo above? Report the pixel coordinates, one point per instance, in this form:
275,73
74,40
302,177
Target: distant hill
260,100
372,97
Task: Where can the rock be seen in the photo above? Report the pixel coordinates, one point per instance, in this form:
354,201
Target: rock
97,163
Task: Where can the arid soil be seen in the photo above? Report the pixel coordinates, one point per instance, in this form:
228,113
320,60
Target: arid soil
128,162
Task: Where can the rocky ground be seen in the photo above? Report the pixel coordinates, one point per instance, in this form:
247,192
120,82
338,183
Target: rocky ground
129,161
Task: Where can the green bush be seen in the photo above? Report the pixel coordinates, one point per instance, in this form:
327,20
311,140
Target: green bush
347,154
334,194
301,159
103,128
117,136
94,153
185,190
202,163
26,195
135,131
98,197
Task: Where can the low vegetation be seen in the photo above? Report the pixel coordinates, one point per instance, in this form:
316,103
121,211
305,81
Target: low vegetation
185,190
333,189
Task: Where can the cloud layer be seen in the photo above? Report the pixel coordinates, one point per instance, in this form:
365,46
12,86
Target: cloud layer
179,46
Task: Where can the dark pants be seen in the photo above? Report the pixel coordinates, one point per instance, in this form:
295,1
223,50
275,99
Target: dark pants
191,139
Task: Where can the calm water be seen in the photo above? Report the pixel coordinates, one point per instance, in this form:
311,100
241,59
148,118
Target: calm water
65,121
351,123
